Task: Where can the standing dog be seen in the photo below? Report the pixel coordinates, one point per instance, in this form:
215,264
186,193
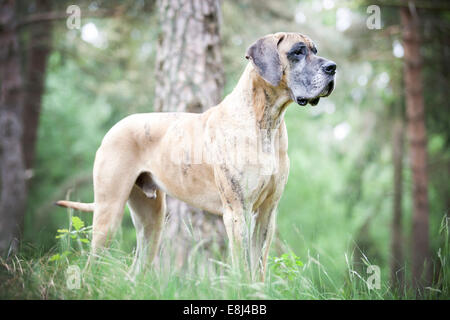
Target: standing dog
230,160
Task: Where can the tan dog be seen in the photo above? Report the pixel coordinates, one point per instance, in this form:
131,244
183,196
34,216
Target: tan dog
230,160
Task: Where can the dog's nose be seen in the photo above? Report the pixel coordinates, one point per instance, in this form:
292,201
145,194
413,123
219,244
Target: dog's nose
302,101
329,67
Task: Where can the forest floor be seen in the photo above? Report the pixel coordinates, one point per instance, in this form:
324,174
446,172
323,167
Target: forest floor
60,274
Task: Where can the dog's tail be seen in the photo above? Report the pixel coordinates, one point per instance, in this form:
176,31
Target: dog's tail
86,207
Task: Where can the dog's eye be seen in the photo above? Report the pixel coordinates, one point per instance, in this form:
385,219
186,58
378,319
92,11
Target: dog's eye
300,51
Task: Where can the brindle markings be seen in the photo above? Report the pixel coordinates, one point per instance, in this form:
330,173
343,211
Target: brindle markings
234,184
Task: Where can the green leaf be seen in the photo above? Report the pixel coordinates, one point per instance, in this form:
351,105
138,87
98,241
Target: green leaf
77,223
62,230
55,257
65,254
84,240
73,236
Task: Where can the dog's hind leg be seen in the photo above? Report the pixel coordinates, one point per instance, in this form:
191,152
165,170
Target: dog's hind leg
148,214
113,181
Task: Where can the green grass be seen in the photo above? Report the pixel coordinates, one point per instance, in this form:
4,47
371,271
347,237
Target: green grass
38,275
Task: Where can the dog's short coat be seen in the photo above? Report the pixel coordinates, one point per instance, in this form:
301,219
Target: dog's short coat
204,159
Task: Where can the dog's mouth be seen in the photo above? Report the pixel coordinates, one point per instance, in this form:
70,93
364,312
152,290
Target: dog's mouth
327,90
314,101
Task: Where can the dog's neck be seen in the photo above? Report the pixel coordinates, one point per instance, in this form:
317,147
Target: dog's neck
265,103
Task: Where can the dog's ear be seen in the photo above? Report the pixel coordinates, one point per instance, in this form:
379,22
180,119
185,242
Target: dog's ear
264,55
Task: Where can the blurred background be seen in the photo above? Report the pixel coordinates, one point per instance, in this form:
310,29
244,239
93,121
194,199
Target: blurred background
369,177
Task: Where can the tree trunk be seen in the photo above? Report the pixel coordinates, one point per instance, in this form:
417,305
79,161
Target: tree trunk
417,146
12,168
189,77
397,260
38,52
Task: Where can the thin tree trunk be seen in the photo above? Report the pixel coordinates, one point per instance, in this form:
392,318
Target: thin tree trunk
415,110
38,52
397,260
12,168
189,77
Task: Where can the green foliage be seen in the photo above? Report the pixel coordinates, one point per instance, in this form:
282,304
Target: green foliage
286,266
288,277
77,223
443,277
58,256
79,234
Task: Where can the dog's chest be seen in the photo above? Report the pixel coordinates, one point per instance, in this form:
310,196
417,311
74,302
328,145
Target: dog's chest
262,189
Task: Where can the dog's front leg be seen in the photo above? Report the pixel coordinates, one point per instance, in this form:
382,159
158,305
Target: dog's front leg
262,238
237,228
237,216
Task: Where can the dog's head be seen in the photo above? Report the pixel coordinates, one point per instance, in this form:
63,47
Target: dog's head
290,60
